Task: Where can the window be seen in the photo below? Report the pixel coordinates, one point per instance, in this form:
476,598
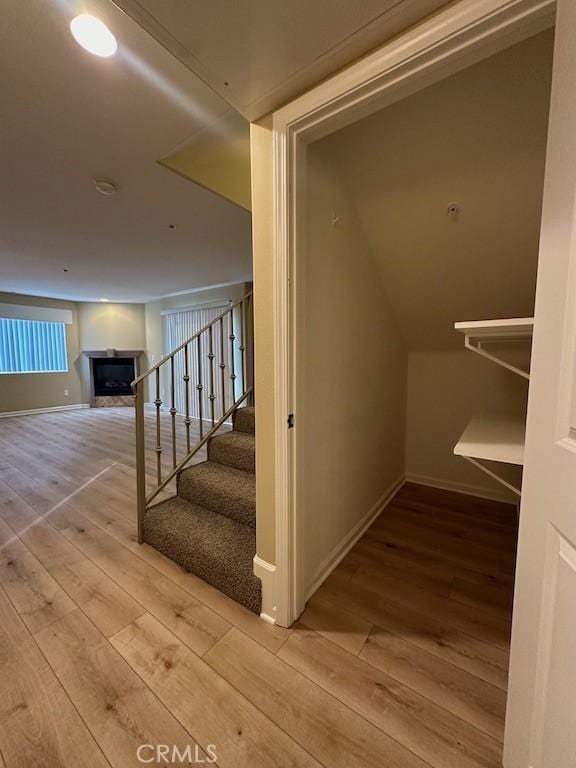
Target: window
180,326
32,346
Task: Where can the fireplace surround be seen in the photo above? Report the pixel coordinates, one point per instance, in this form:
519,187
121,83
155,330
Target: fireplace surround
110,374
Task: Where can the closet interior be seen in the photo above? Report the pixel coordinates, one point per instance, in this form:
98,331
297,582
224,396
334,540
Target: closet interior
417,296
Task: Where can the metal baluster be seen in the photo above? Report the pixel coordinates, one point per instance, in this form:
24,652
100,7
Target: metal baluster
211,359
158,403
243,343
173,411
238,330
200,387
140,460
232,337
187,420
222,366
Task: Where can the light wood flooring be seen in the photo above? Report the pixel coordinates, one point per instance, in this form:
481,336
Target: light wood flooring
399,661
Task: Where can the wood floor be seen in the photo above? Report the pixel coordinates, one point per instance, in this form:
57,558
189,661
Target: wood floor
400,660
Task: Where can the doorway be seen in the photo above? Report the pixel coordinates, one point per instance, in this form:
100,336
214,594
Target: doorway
421,215
416,61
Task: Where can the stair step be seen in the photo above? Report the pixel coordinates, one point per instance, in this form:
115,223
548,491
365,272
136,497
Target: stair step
234,449
245,420
215,548
230,492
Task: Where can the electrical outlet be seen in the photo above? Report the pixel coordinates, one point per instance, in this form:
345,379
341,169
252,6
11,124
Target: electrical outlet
65,393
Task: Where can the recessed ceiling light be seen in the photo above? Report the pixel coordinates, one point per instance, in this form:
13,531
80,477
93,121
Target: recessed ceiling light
103,299
93,35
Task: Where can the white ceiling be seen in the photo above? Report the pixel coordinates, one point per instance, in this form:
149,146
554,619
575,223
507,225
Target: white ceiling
477,139
259,54
67,117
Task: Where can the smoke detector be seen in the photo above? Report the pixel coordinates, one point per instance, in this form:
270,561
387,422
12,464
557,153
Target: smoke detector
106,187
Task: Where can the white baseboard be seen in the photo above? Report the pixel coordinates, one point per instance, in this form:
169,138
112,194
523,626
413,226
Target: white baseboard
341,550
469,490
266,572
33,411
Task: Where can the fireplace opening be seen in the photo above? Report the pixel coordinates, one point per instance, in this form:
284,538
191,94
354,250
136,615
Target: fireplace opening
113,375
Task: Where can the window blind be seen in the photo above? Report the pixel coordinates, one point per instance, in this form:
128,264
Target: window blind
32,346
180,326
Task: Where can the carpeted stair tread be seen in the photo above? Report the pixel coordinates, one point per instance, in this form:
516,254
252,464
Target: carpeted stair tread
234,449
215,548
230,492
245,420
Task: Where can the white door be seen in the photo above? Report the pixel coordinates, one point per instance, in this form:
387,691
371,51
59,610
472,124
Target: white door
541,721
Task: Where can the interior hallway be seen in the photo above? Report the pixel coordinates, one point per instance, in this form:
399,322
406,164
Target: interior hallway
400,659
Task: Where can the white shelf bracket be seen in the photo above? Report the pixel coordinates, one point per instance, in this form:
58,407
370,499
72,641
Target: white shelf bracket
475,345
493,475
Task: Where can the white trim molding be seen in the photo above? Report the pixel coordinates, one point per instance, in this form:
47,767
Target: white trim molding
29,312
34,411
341,550
454,38
480,491
266,572
214,304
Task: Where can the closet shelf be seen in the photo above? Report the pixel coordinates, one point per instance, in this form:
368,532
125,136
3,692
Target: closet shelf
479,333
517,328
491,439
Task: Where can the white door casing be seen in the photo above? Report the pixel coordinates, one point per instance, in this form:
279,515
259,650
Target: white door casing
458,37
541,717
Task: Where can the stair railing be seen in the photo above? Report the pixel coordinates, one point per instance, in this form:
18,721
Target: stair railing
203,380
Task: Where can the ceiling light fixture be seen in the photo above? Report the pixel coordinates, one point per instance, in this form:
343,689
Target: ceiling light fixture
93,35
103,299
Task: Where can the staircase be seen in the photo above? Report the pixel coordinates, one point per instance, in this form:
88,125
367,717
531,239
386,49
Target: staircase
209,527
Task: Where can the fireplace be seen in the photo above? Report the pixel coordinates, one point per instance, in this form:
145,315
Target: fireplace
113,375
108,376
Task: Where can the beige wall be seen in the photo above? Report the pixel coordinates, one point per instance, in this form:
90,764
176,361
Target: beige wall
111,326
262,249
154,332
477,138
446,388
28,391
352,374
218,161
